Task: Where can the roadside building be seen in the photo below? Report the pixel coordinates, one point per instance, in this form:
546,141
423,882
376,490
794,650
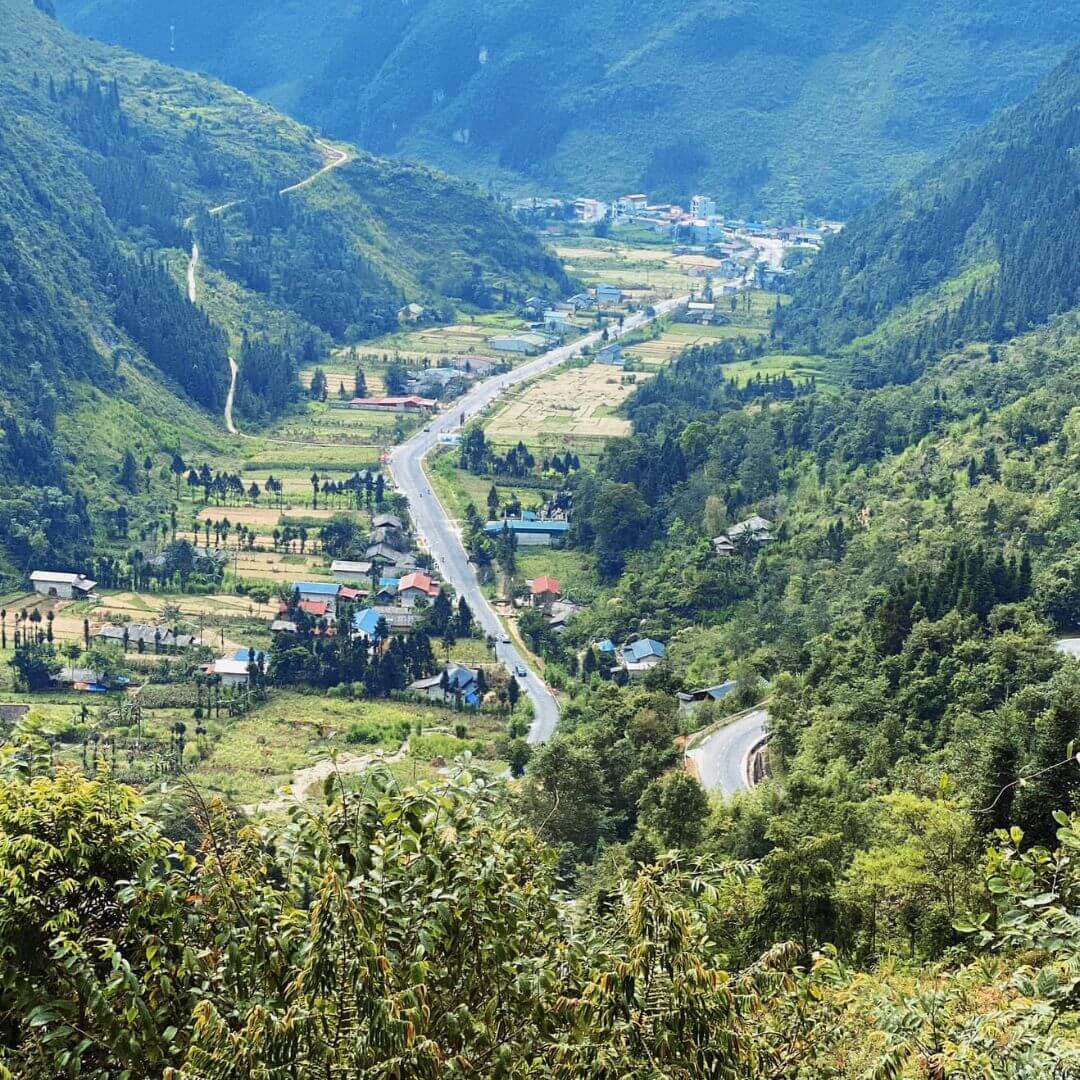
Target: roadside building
545,591
347,570
410,404
526,344
608,294
64,586
416,587
387,521
530,533
612,355
690,701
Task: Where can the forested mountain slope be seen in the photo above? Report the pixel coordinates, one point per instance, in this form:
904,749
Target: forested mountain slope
781,106
108,163
981,245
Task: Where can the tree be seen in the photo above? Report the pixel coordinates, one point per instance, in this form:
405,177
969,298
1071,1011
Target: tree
675,807
178,470
35,665
129,473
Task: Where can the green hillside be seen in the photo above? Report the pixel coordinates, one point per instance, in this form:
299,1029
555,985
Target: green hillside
108,166
981,245
779,107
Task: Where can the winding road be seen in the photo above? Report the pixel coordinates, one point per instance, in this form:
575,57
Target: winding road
721,755
443,540
333,159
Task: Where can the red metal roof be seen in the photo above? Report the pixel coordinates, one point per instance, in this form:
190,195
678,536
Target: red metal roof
546,585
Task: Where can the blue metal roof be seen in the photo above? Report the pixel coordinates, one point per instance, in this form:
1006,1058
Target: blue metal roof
388,582
245,654
367,621
607,645
640,650
317,588
493,528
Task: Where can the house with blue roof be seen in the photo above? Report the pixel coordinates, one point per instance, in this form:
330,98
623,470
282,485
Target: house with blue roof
365,623
642,655
456,682
326,591
246,655
607,646
539,533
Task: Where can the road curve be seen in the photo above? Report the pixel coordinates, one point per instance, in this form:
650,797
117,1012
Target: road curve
333,159
443,540
721,757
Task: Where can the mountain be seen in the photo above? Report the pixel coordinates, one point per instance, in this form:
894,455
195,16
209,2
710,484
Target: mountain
108,165
783,107
981,245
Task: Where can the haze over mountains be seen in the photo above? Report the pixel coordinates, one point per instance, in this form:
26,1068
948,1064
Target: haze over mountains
770,107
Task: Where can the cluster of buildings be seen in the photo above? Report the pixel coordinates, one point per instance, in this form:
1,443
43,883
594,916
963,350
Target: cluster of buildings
555,322
754,533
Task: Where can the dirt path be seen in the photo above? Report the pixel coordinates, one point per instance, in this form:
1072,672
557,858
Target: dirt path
307,783
333,158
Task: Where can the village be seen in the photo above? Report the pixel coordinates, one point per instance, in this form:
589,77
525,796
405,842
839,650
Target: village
296,566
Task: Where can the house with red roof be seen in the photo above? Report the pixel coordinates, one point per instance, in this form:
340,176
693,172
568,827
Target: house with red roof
319,609
416,586
545,592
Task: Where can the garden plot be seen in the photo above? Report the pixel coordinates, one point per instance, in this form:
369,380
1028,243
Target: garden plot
576,403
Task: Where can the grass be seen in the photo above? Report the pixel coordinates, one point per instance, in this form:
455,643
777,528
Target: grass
456,488
573,569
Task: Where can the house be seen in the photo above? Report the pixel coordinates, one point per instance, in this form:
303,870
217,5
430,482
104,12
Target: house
558,323
699,311
415,587
545,591
349,595
611,354
530,533
608,294
86,681
387,592
560,613
248,654
527,344
230,670
755,530
391,537
723,545
454,683
626,205
590,211
317,591
642,655
399,620
156,638
581,301
689,702
347,570
387,557
319,609
62,585
606,647
480,366
410,403
449,438
283,626
365,624
387,521
410,313
702,206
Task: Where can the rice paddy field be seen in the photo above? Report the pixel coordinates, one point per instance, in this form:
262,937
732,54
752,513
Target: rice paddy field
573,408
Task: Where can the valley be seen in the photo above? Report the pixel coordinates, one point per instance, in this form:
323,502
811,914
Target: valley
623,627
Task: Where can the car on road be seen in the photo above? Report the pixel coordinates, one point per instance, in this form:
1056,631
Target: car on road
521,671
505,639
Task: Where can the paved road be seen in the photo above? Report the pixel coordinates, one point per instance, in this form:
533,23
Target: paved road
442,538
721,758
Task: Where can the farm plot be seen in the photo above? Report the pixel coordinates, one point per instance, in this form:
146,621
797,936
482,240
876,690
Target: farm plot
573,405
